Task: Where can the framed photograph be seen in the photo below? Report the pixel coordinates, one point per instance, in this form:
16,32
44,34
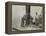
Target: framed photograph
24,17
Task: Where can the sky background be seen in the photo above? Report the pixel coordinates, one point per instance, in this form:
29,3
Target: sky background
18,11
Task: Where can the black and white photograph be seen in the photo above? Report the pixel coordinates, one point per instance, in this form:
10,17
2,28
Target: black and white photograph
24,17
27,17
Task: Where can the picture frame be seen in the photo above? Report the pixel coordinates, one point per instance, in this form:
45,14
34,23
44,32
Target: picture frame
9,9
